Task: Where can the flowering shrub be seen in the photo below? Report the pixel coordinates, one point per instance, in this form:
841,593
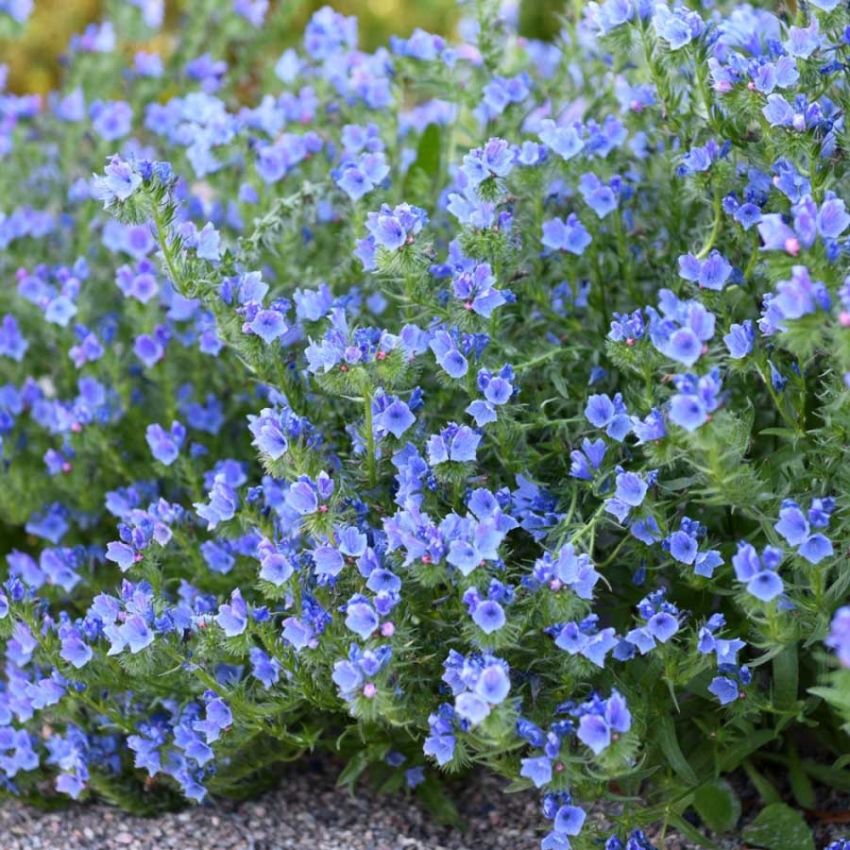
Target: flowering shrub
477,402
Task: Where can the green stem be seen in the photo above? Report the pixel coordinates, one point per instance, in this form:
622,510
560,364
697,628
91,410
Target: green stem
371,467
625,258
715,229
165,247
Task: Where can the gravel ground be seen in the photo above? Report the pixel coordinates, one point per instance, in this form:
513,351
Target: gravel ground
307,812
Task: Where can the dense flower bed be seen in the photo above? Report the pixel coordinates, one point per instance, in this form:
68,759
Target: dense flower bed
461,402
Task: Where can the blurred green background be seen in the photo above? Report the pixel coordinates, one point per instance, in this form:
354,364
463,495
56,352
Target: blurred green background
34,56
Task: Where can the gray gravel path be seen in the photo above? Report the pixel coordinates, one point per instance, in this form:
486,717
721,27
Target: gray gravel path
308,812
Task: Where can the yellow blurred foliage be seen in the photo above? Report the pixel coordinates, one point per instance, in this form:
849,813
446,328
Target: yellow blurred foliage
34,57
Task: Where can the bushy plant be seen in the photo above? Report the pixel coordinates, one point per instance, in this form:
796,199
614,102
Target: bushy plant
476,402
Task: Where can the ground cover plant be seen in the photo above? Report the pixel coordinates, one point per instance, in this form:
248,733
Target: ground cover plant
479,401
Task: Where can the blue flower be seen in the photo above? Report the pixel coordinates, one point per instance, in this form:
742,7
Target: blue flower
457,443
489,616
630,491
264,668
538,770
631,488
682,328
800,296
570,235
111,120
612,415
601,718
306,496
396,418
759,573
739,340
695,400
802,42
73,648
724,688
134,633
565,141
121,554
678,27
165,445
360,617
711,273
495,159
569,820
119,182
448,356
586,461
597,195
233,617
269,325
795,528
493,684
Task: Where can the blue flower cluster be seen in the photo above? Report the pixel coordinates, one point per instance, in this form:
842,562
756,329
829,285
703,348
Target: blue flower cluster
466,400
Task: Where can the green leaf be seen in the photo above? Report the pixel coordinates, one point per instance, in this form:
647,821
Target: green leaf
801,785
718,805
439,803
779,827
762,784
692,833
785,677
423,176
673,752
